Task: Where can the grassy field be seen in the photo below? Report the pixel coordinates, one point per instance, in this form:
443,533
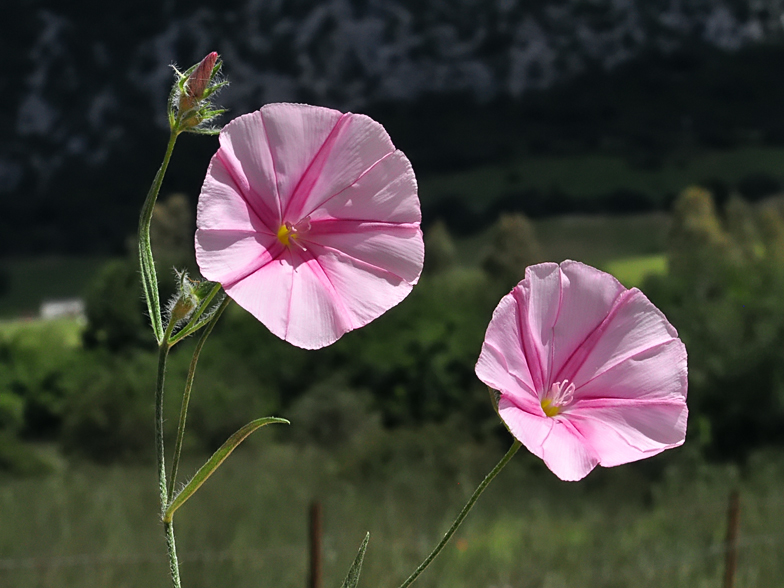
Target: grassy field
586,176
632,271
91,527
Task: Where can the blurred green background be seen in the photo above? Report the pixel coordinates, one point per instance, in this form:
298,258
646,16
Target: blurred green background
665,170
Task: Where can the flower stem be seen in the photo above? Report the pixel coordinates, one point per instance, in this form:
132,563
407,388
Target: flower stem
149,277
163,353
174,565
186,395
471,501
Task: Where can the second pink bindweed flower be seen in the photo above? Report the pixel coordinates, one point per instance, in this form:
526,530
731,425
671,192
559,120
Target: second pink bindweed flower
309,218
588,372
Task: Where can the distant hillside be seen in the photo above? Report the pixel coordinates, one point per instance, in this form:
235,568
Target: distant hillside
457,83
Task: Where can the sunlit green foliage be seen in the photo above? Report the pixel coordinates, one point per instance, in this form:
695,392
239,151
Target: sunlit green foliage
724,293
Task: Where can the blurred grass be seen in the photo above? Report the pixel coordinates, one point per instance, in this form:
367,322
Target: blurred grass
32,280
586,176
632,271
58,333
596,239
96,527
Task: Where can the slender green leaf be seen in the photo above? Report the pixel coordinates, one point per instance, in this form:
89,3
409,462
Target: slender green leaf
212,464
352,579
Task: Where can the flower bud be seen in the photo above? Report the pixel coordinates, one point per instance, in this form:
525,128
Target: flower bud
190,102
197,82
185,300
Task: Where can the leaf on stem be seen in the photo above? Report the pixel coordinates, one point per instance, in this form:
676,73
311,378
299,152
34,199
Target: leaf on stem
214,462
352,579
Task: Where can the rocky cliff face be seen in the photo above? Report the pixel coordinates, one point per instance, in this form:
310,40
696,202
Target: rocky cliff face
84,80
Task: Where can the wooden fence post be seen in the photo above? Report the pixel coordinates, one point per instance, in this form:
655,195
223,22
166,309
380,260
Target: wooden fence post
314,578
731,543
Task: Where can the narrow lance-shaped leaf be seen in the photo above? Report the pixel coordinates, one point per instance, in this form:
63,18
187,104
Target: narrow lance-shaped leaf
352,579
212,464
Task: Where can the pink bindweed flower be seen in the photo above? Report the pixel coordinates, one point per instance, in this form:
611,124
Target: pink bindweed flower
587,371
309,218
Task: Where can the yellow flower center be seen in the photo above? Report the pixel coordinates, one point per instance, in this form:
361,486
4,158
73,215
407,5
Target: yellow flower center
289,233
559,396
549,408
285,232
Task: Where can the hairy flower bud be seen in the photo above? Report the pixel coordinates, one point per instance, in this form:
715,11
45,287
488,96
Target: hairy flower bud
185,300
190,102
197,82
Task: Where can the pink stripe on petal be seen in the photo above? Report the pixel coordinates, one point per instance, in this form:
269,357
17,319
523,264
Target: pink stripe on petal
526,422
247,156
397,249
228,256
566,452
224,207
266,294
317,313
554,440
587,296
655,373
494,370
633,326
538,298
296,133
301,198
504,335
385,192
356,145
364,291
626,432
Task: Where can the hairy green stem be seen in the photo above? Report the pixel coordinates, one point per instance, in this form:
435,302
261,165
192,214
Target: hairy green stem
471,501
163,353
186,395
174,565
149,276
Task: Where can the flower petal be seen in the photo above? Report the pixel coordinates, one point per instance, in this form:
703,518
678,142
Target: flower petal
502,364
246,154
355,145
386,192
633,326
555,440
625,431
222,205
228,256
266,293
361,291
317,313
538,299
659,372
587,296
397,249
296,134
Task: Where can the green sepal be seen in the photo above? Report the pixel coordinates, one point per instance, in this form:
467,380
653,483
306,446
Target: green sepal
495,396
205,292
352,579
214,462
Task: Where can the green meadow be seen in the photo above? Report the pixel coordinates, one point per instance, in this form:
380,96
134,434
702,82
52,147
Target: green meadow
656,524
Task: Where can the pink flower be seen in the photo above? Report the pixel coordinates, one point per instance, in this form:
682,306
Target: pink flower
309,218
588,372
